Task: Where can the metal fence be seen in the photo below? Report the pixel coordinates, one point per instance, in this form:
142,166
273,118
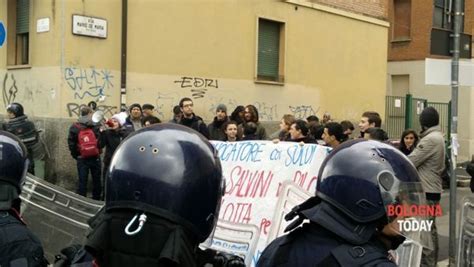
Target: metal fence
395,108
465,249
403,112
417,106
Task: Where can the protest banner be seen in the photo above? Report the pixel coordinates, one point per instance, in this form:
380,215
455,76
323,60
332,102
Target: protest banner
263,181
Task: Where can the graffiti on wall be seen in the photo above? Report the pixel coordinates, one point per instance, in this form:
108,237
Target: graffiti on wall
266,111
198,86
165,103
88,82
9,89
74,109
303,111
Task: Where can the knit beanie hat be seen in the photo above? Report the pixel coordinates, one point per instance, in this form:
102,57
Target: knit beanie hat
120,118
429,117
222,108
136,105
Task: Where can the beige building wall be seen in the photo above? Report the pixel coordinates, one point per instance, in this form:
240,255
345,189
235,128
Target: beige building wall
334,61
438,93
326,58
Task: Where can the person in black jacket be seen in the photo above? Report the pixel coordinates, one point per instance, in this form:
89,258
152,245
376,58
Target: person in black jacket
86,153
18,245
250,131
238,115
299,132
111,139
408,141
216,127
134,120
19,125
190,119
333,134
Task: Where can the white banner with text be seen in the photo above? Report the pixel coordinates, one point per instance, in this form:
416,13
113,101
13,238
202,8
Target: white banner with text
263,182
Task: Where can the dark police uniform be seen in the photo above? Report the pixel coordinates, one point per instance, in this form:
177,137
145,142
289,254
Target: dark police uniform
18,246
347,216
314,245
171,176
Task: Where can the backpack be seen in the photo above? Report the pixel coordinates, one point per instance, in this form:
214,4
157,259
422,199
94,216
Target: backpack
87,142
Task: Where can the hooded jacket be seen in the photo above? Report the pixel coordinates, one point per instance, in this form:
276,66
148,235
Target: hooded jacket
72,139
428,158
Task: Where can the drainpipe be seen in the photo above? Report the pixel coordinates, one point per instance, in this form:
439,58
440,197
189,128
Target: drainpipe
454,130
123,56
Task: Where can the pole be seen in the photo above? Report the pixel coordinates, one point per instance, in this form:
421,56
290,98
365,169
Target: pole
123,57
454,130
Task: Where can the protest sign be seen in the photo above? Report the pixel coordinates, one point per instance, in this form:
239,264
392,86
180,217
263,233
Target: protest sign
263,180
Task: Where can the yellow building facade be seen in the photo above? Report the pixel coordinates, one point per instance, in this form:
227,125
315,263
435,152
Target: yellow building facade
324,60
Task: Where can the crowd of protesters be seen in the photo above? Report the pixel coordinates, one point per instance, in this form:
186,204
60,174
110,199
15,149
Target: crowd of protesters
87,138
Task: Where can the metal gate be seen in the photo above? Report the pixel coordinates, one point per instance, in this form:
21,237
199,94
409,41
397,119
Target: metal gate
404,113
395,108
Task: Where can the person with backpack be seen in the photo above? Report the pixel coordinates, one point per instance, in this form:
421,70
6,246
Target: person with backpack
83,142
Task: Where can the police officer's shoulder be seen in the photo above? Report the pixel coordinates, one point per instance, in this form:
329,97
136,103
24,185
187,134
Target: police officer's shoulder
277,252
361,255
18,244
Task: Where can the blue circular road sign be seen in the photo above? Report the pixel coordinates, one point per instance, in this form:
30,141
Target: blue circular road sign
3,34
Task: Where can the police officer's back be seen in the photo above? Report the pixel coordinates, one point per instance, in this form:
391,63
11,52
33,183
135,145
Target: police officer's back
163,193
348,224
18,246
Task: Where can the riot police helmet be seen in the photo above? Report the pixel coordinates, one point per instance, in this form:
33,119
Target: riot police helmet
13,167
168,170
368,180
16,109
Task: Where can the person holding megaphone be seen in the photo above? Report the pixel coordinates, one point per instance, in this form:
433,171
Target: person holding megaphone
111,137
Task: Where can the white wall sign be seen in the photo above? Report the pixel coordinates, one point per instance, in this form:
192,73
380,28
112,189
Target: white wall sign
89,26
42,25
398,103
438,72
